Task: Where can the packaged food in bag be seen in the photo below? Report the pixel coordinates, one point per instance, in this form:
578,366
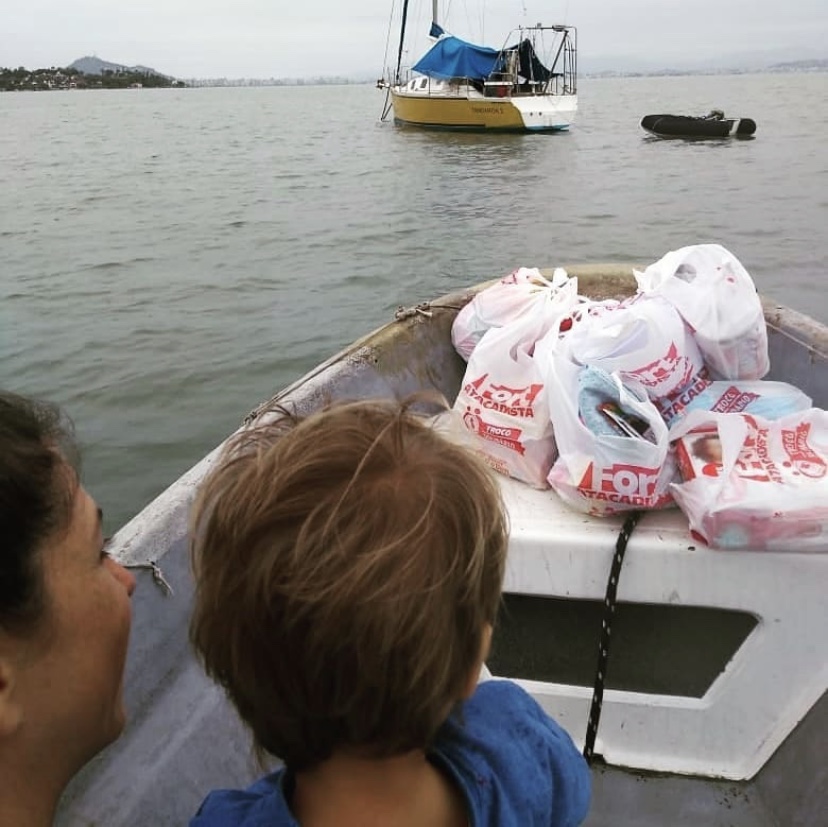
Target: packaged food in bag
754,483
613,447
761,397
495,306
717,298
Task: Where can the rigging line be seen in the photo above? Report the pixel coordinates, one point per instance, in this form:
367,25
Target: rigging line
473,27
388,38
446,16
386,108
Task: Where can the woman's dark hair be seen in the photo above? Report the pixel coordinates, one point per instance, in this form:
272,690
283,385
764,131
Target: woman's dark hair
37,485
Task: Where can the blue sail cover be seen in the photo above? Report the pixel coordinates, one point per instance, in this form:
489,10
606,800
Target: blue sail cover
436,30
451,57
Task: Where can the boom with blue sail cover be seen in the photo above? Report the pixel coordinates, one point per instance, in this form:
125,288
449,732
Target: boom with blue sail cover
451,57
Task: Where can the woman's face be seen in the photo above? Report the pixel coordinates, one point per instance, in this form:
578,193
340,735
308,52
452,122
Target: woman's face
74,675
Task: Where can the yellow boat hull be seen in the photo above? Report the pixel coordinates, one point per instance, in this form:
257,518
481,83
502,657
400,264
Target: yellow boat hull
481,114
456,113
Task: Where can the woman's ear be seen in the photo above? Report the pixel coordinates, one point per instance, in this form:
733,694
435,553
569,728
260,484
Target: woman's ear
11,713
474,676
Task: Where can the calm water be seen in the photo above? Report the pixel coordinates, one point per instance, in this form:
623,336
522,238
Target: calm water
169,259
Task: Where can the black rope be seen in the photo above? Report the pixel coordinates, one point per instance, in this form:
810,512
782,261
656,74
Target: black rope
606,628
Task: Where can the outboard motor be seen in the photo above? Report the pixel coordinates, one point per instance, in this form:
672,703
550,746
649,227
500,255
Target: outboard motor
745,127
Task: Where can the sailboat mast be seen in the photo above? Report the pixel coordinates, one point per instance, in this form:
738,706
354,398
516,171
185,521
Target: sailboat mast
402,41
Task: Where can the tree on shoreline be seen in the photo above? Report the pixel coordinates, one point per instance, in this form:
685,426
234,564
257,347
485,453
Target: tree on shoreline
22,79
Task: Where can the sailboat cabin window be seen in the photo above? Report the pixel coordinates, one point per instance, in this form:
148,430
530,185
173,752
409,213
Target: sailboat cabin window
656,648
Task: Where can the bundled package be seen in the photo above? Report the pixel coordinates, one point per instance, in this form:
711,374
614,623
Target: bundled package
770,400
755,483
522,291
717,298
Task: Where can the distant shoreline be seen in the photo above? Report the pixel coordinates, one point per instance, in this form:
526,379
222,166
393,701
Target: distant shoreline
805,66
60,79
53,79
299,82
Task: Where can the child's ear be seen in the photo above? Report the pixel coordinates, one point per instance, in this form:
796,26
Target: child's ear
474,676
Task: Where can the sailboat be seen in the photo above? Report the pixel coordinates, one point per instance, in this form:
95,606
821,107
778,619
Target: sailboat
457,85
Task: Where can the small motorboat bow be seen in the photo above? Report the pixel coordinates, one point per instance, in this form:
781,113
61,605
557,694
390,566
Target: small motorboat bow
715,710
712,125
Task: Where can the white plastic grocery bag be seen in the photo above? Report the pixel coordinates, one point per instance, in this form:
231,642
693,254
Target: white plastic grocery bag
622,466
754,483
716,296
497,305
644,340
504,400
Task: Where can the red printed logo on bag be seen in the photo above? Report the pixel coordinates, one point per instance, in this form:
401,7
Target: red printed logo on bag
803,458
676,401
671,366
754,461
503,399
631,484
734,401
508,437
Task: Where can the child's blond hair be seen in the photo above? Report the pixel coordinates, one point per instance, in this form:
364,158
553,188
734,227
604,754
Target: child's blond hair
347,565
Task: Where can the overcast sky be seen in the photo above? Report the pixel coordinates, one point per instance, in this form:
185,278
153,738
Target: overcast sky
302,38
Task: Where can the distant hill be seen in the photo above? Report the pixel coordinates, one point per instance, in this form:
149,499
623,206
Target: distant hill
95,66
747,61
802,65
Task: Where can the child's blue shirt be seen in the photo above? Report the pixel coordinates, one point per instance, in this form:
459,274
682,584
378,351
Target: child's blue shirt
513,763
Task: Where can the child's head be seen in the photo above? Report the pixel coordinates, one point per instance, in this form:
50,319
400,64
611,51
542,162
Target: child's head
347,568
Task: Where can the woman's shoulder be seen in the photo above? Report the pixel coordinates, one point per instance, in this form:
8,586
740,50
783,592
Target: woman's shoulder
262,804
